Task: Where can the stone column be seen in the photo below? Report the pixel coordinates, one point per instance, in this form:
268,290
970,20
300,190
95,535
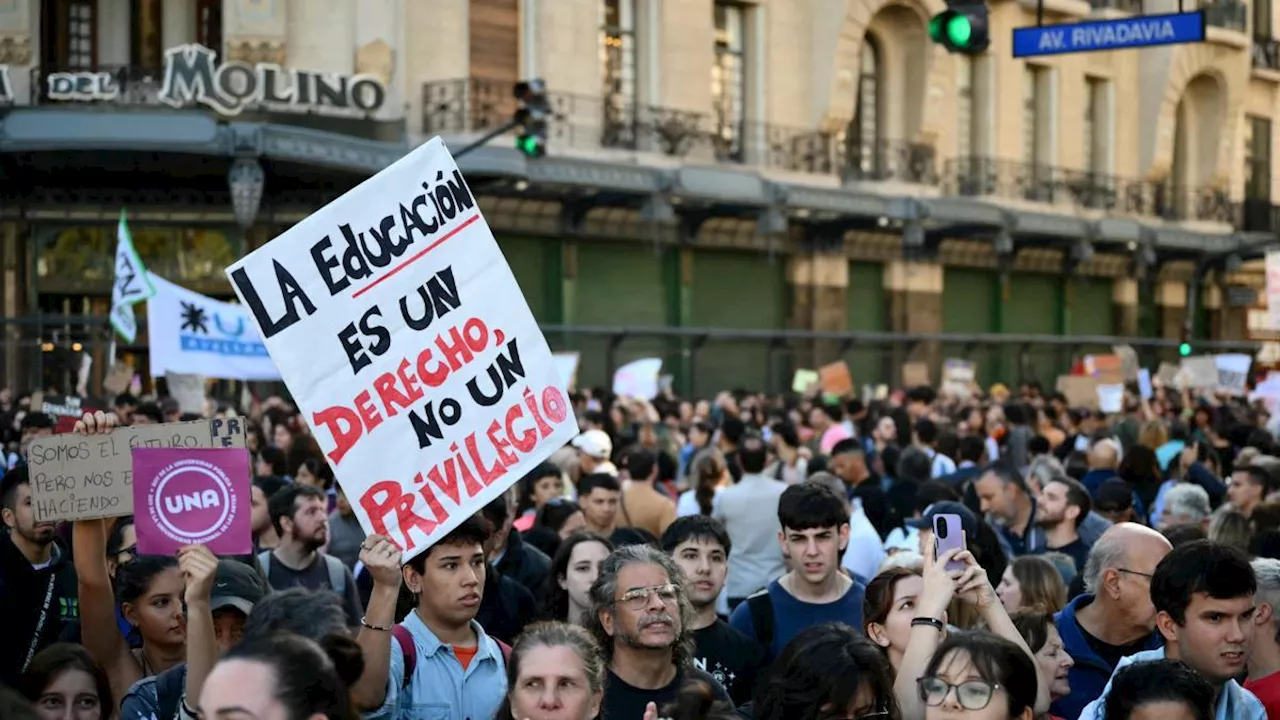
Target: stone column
915,306
1124,307
255,32
1171,300
818,283
379,27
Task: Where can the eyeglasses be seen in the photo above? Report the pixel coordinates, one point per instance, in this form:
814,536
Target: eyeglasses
971,694
1135,572
637,598
130,553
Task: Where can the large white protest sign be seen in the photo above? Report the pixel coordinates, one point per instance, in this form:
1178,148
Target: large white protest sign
402,334
194,334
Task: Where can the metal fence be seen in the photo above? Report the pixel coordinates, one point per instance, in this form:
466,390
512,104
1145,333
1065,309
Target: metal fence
48,352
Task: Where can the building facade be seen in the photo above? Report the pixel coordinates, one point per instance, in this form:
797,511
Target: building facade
745,187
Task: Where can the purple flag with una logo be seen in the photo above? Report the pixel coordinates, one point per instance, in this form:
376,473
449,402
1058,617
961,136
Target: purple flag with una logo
187,496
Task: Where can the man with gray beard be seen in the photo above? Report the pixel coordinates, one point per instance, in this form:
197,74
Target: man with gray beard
640,615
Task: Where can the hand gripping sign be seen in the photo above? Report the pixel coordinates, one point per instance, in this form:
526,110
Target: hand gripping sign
406,343
192,497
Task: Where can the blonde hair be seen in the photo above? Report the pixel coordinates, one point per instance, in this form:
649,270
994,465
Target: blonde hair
1043,589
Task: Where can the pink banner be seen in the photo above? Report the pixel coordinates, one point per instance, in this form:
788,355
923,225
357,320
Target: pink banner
186,496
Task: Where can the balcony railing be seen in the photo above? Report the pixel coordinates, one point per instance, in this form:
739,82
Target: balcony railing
1227,14
1129,6
1259,215
982,176
1266,53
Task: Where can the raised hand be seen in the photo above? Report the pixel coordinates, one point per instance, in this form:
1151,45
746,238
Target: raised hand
199,567
95,423
973,586
939,583
381,558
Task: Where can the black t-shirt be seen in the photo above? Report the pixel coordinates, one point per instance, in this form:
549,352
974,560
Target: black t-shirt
732,658
1076,550
625,702
1112,654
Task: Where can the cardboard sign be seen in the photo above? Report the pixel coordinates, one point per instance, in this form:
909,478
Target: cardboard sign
957,378
1167,374
1128,361
118,378
835,379
1081,391
402,334
81,477
915,374
192,497
1233,373
66,409
188,390
804,381
1108,369
1199,373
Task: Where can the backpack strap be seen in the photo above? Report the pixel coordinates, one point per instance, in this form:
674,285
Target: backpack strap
761,607
410,651
264,560
337,574
506,650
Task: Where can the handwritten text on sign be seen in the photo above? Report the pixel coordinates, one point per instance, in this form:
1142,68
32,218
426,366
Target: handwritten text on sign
402,334
79,477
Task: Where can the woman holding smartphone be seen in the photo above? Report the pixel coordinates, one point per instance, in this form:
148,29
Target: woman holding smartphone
949,574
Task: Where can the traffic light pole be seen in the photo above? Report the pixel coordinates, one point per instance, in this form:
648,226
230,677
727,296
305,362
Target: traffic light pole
501,129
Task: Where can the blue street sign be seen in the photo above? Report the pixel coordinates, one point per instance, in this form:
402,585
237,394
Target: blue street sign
1141,31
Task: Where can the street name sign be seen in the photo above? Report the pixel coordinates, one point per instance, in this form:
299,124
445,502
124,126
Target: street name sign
1118,34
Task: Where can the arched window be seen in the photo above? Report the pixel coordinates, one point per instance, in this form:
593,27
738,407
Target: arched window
865,134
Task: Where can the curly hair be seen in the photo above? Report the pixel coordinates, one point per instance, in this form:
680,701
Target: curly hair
604,592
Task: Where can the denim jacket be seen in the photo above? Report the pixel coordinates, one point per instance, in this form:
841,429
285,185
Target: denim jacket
440,689
1234,702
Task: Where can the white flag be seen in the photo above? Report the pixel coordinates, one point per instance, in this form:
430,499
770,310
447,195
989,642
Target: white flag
131,284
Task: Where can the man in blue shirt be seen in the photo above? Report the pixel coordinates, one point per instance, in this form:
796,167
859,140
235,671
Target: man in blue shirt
815,531
1204,598
441,665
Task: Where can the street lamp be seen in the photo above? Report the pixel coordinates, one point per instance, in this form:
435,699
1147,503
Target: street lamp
246,180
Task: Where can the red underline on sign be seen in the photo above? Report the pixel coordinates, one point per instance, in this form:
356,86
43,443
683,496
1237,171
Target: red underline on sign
416,256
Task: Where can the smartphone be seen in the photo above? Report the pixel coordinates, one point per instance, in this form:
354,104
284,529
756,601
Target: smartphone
948,534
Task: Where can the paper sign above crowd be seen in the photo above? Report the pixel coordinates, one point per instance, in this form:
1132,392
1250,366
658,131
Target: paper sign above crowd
638,379
81,477
399,328
192,497
194,334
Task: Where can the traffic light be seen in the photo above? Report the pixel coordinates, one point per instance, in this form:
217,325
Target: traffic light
1184,347
531,117
961,28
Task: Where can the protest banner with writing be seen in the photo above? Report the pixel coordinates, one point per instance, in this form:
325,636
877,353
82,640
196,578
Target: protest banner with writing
196,334
1108,369
1233,372
192,497
67,409
1081,391
1199,372
81,477
638,379
957,378
1167,374
399,328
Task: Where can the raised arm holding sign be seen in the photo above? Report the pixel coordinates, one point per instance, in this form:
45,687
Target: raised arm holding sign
402,334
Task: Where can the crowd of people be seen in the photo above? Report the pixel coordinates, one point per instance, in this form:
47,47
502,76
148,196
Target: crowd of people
992,556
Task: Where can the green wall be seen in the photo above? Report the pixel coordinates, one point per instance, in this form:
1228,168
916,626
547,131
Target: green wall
617,284
969,305
1033,308
529,258
865,309
740,290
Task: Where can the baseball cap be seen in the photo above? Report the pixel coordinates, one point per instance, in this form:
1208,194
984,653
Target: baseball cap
236,585
595,443
968,520
1113,496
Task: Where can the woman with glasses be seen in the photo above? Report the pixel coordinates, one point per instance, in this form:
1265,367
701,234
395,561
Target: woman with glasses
929,643
827,672
978,676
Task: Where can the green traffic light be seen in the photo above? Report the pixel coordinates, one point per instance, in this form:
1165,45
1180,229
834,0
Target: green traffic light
1184,349
936,26
959,30
527,144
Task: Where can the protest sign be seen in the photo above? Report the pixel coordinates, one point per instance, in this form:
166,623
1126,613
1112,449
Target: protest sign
118,378
188,390
836,379
192,497
1108,369
1273,289
1167,374
803,381
1144,384
1199,372
66,409
194,334
80,477
638,379
1110,398
915,374
1129,362
1233,372
1081,391
957,378
399,328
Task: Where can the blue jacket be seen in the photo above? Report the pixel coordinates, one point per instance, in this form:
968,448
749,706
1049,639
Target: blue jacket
1234,702
1091,674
